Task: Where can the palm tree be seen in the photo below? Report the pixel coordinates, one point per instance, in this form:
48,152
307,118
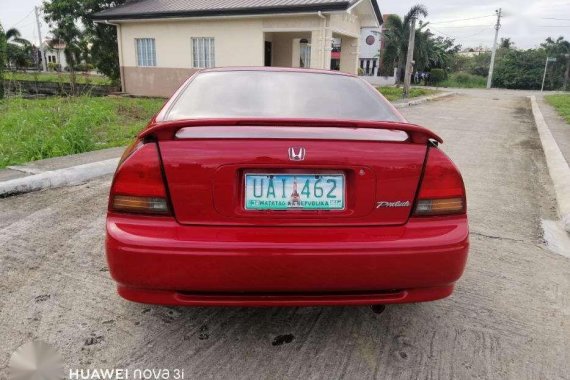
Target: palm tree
19,50
14,35
397,35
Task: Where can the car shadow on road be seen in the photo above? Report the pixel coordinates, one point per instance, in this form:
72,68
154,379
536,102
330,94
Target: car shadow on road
261,337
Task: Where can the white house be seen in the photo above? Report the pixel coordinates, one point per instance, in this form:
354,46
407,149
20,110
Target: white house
370,39
53,53
162,42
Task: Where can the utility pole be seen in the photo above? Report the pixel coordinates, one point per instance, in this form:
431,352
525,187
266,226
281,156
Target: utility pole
44,64
492,66
410,57
548,59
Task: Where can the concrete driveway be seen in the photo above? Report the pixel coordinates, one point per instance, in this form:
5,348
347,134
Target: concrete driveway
509,316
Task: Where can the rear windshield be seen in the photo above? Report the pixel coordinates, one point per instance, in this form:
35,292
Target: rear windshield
279,94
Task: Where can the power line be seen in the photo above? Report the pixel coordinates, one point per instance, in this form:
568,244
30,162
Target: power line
554,18
28,24
442,33
463,26
25,17
460,19
479,32
486,28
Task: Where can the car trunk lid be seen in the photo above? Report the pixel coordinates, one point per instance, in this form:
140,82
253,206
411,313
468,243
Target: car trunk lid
206,169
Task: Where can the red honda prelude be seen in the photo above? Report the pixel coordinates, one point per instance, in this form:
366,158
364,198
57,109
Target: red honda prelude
284,187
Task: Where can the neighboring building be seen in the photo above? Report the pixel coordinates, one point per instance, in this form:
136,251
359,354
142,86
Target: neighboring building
53,51
472,52
372,45
370,39
162,42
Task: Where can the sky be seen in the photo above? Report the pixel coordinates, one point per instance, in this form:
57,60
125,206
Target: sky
526,22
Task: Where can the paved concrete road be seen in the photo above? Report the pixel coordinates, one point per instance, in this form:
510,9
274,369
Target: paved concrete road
509,317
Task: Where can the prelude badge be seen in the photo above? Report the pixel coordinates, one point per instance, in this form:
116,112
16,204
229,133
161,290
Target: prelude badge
383,204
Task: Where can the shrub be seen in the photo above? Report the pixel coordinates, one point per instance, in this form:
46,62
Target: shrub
465,80
462,78
52,66
84,67
479,64
437,76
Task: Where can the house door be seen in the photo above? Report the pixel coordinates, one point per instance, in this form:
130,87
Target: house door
267,53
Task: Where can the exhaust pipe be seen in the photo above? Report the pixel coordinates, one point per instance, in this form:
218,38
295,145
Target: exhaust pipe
377,309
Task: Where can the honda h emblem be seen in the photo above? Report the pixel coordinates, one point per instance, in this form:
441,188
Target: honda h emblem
296,153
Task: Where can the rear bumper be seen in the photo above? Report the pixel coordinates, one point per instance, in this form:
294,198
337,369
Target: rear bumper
157,260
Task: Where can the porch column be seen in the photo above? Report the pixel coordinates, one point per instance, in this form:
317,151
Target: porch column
327,49
317,45
295,52
349,51
321,40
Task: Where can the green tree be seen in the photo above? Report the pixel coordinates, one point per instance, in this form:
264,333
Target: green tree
458,62
66,32
103,38
520,69
479,64
19,51
396,38
14,35
506,43
434,52
524,69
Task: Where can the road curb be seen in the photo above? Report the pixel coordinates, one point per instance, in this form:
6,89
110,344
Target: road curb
557,165
57,178
424,100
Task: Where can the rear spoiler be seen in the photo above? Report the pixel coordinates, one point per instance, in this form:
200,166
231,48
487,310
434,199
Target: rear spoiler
166,130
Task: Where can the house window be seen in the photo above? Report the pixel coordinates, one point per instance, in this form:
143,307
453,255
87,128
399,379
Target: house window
203,52
146,52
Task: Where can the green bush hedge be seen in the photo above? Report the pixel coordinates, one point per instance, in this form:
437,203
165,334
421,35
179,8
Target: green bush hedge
464,80
437,76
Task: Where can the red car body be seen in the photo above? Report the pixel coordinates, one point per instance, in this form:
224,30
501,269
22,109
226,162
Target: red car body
178,231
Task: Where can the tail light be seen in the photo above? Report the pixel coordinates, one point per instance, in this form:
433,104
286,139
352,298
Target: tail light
441,191
138,186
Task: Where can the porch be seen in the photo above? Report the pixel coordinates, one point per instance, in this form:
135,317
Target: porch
307,41
311,49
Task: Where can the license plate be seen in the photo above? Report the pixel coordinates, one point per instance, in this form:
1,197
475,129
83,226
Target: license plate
294,191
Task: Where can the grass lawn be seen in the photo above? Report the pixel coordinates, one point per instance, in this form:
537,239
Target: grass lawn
81,78
395,93
561,103
464,80
51,127
34,129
